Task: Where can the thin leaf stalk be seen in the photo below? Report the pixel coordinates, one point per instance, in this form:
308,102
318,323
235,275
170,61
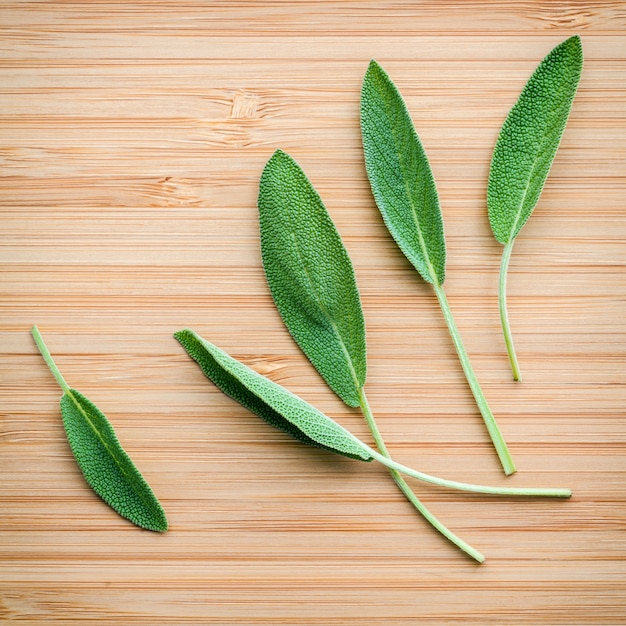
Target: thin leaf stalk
528,492
504,315
406,489
47,357
502,450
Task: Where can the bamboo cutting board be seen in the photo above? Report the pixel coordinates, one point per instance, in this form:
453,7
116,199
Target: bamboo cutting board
133,135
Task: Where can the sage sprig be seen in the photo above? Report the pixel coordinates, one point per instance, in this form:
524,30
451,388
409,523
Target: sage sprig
106,466
524,153
312,282
404,189
293,415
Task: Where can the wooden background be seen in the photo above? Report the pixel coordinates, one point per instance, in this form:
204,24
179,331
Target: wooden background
133,135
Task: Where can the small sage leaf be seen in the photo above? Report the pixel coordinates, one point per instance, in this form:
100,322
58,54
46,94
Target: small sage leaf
400,176
523,156
270,401
530,138
311,277
106,466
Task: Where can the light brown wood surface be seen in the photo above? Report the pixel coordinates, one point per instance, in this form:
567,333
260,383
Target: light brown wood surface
132,138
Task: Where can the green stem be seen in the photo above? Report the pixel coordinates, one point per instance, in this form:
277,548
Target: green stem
406,490
504,316
452,484
48,359
494,431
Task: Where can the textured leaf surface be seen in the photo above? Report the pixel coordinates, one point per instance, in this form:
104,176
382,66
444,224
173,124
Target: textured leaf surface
400,175
273,403
530,138
106,466
311,277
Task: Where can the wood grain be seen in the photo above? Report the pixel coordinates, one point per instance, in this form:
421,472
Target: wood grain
132,137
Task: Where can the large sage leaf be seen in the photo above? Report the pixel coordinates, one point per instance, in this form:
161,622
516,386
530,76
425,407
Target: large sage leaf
530,138
400,175
311,277
271,402
106,466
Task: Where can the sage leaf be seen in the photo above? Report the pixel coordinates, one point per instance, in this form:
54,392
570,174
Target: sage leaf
529,139
291,414
404,189
106,466
400,176
270,401
311,277
524,153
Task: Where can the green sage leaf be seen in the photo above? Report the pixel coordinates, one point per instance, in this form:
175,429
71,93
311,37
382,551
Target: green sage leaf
311,277
523,156
530,138
400,175
270,401
106,466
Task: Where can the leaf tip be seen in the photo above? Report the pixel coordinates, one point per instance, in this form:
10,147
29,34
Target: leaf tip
162,525
185,337
278,153
574,45
157,522
574,40
180,334
279,159
374,69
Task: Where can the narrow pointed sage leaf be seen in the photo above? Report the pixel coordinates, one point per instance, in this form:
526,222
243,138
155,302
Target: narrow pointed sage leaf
291,414
529,139
311,277
312,281
400,176
271,402
523,156
404,189
106,466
